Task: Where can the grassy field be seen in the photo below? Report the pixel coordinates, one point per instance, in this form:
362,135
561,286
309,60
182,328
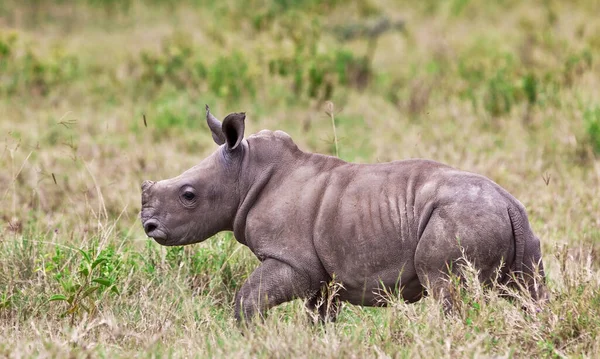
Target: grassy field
98,95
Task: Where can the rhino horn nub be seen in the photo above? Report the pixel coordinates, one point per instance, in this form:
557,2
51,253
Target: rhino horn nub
215,127
147,184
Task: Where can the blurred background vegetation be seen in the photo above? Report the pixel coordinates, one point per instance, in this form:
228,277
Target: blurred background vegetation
98,95
267,55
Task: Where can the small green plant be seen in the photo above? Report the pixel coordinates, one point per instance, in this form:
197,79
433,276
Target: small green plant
97,273
215,270
500,94
230,76
591,117
5,300
576,64
175,256
172,110
530,87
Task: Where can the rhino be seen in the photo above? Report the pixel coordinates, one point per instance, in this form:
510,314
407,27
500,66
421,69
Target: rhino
399,227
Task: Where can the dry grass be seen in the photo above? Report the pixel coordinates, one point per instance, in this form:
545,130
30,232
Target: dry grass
76,150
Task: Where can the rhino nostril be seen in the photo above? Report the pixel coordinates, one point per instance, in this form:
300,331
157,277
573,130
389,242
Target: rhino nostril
150,226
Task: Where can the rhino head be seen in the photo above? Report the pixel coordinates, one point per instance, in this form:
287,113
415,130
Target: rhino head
203,200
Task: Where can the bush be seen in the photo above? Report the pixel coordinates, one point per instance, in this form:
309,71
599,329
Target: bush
175,64
230,77
318,75
24,71
500,94
179,65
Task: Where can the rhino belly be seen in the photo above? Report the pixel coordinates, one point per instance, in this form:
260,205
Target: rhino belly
370,263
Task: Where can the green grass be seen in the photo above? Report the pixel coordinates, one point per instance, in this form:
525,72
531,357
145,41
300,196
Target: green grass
507,89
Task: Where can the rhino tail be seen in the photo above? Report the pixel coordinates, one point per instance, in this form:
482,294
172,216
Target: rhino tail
521,232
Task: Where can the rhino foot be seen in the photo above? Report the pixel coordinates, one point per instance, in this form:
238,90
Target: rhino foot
324,305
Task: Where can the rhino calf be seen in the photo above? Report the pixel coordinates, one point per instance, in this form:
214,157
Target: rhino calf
388,227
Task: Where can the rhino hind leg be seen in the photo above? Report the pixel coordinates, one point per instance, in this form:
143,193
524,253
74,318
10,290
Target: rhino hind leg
533,270
532,277
325,303
484,238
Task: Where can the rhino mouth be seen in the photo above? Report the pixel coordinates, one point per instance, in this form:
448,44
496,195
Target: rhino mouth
159,236
152,227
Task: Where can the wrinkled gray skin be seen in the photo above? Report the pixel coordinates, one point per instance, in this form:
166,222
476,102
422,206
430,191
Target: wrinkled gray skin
396,226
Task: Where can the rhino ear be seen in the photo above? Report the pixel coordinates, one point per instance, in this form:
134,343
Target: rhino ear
233,128
215,127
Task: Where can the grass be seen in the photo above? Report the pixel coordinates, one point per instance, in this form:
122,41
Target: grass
97,96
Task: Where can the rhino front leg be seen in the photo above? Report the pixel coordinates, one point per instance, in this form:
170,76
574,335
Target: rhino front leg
272,283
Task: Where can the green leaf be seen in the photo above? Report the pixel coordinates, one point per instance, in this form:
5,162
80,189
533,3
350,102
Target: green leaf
89,291
98,261
56,297
104,281
115,290
85,255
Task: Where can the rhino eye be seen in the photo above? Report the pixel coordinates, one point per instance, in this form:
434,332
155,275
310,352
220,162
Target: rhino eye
188,195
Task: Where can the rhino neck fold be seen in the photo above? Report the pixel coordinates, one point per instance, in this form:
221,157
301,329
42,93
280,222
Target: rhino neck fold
264,166
256,174
248,200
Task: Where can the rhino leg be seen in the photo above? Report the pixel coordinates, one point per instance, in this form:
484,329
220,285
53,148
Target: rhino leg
325,303
533,276
537,284
438,284
272,283
454,233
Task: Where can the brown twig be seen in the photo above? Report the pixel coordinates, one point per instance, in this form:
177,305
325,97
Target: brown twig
546,178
